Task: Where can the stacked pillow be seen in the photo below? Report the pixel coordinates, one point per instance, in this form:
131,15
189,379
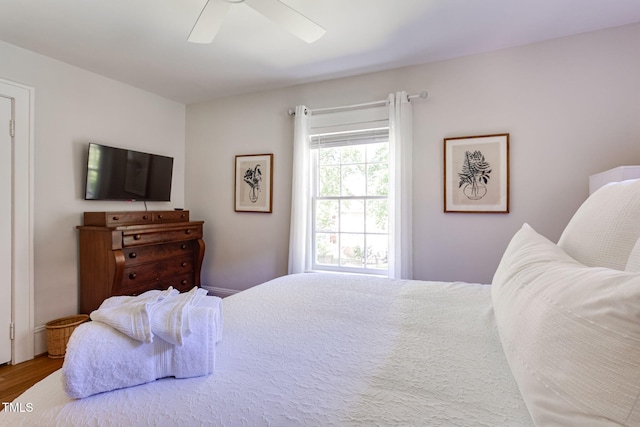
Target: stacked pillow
570,331
604,230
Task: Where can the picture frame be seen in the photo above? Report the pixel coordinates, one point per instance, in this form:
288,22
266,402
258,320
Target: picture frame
253,184
476,174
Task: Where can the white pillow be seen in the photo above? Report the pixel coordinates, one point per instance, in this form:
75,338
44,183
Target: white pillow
633,263
571,334
604,229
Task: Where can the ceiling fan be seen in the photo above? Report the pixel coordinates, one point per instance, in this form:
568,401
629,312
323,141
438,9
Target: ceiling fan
214,12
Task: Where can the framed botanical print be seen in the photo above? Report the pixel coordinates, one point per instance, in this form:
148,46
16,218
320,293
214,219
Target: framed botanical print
476,174
254,183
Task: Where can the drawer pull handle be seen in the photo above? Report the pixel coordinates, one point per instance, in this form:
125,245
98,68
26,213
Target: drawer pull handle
133,255
116,218
183,246
184,282
188,231
159,216
137,237
183,216
184,264
132,276
145,217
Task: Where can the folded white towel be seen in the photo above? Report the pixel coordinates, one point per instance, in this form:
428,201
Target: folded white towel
100,359
132,315
197,355
170,319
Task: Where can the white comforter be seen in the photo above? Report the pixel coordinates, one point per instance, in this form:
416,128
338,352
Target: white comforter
324,350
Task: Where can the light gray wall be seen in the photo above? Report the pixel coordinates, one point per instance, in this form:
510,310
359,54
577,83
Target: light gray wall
72,108
570,105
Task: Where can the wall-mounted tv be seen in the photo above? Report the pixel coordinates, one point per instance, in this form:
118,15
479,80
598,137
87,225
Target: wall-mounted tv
121,174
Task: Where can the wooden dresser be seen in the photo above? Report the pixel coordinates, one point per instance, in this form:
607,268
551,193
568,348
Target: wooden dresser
128,253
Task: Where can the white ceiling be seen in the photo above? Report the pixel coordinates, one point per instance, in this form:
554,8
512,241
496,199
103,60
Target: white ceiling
144,42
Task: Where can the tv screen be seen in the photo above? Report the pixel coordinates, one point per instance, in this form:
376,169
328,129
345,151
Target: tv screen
120,174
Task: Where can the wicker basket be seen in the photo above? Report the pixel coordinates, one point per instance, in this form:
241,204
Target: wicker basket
59,331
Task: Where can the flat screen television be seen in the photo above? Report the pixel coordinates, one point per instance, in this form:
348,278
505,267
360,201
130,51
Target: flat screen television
121,174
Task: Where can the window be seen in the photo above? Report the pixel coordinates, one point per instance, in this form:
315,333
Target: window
351,189
349,201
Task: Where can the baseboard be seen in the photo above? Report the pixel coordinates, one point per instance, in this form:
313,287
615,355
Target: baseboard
40,340
220,292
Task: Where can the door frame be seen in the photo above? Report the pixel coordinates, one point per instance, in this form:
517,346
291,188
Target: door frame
22,316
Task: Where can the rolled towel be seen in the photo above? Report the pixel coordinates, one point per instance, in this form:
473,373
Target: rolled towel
132,315
100,358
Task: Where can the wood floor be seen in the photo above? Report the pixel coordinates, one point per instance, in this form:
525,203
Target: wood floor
15,379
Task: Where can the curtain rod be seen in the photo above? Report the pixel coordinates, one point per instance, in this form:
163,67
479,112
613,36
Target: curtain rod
422,95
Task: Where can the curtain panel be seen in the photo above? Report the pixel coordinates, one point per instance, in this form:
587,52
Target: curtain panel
400,186
299,234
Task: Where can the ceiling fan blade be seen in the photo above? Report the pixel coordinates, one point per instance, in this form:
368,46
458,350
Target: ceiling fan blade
209,21
288,18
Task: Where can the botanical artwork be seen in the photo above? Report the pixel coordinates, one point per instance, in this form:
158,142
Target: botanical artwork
253,183
253,178
477,174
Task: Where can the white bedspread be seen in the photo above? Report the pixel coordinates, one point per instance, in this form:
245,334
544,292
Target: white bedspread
325,350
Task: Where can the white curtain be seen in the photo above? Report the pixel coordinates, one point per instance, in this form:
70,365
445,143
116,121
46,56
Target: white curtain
400,208
299,239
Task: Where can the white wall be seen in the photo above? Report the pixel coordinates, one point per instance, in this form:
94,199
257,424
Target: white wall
73,107
570,105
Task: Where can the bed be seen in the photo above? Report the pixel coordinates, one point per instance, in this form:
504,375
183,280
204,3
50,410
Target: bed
554,340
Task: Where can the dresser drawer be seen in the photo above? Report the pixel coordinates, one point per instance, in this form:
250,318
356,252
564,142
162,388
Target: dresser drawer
158,270
161,273
149,237
135,255
171,216
115,219
181,282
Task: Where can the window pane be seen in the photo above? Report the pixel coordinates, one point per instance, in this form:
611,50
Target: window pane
352,249
353,154
378,152
354,182
352,216
327,249
327,215
377,251
377,216
329,156
377,179
329,177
